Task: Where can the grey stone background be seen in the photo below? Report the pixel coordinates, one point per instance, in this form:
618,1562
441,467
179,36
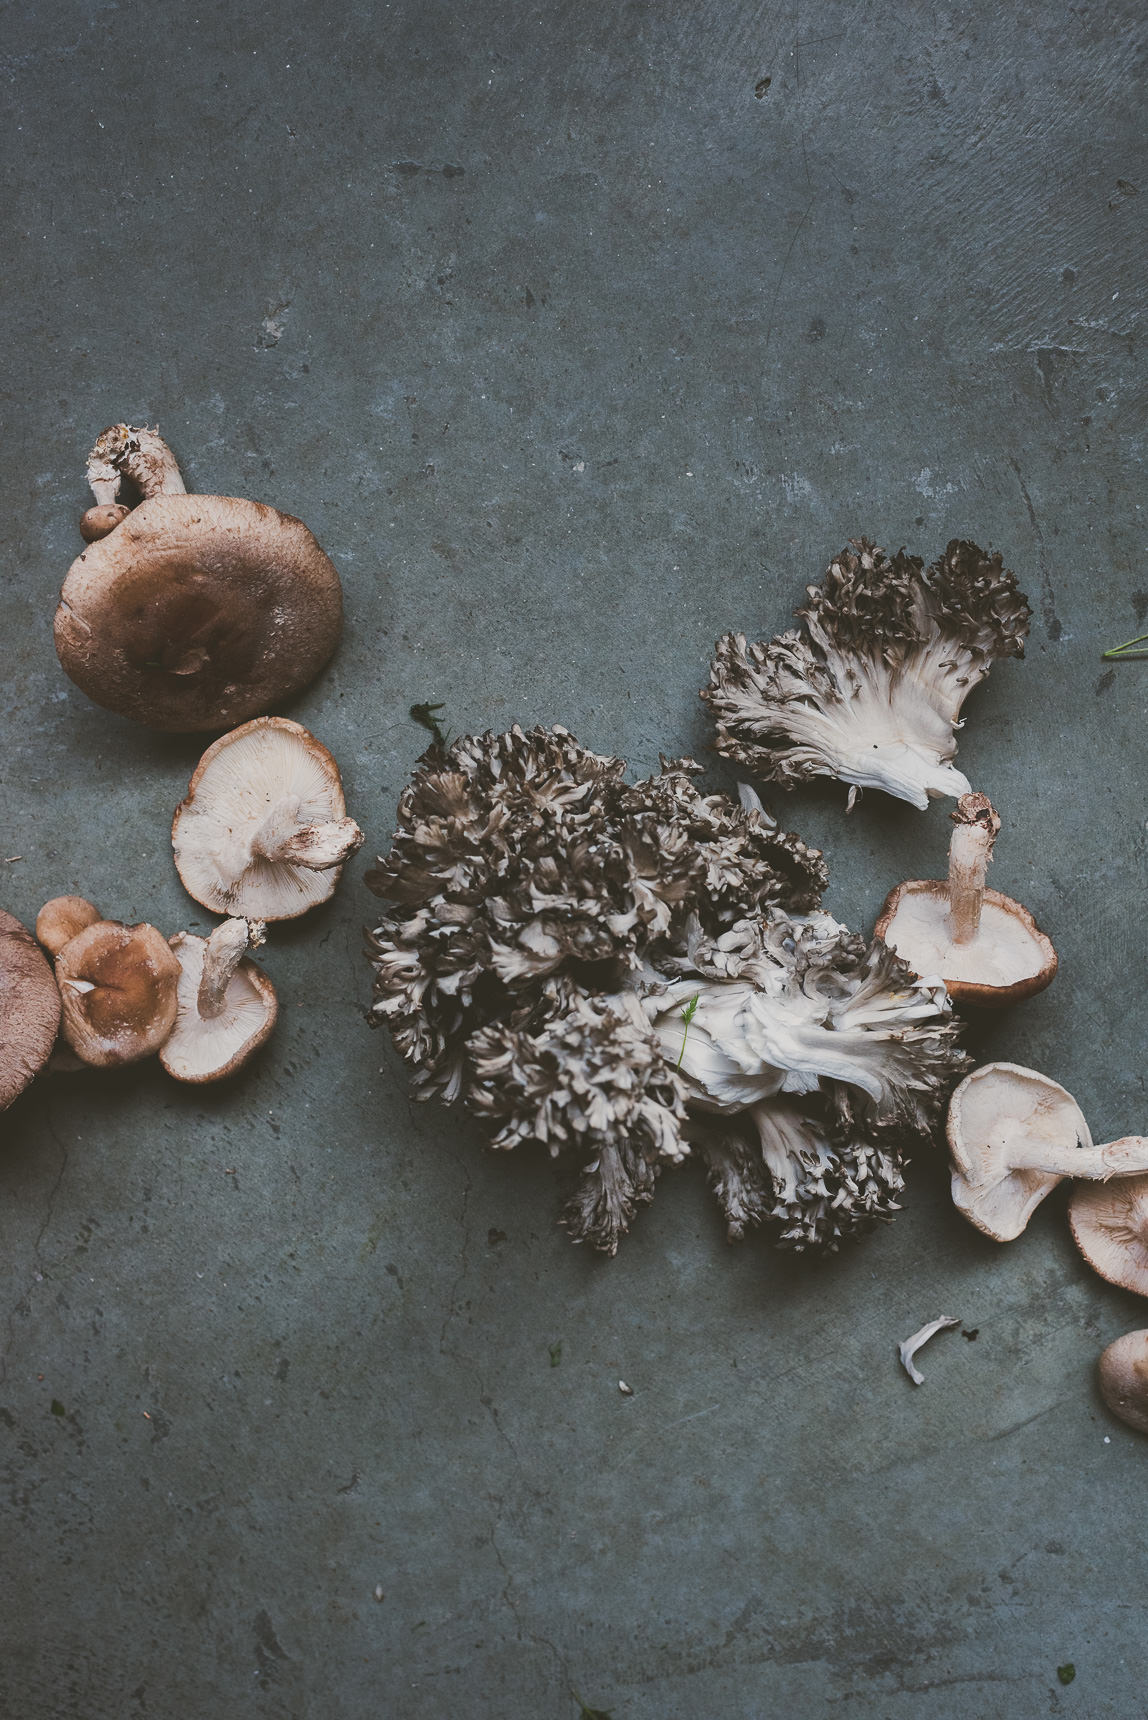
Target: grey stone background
576,343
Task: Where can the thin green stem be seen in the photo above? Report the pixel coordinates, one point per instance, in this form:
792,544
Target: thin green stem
687,1012
1125,649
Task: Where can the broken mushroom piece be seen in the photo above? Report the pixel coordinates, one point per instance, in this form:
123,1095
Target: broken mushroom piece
909,1348
118,988
263,830
62,919
1110,1225
29,1009
227,1005
1123,1378
987,948
1013,1135
190,612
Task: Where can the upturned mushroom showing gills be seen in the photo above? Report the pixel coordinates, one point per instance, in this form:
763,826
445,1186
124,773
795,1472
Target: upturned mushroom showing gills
1014,1135
264,830
118,986
987,948
29,1009
190,612
227,1005
1110,1225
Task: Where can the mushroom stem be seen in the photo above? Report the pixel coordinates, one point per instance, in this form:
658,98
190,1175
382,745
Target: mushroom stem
320,846
970,851
225,949
1126,1157
141,455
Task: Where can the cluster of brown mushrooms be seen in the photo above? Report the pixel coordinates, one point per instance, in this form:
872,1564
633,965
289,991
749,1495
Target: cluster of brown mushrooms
187,613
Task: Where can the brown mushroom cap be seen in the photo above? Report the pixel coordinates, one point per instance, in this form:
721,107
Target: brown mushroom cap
62,919
202,1048
29,1009
1110,1223
1123,1374
1008,959
118,985
263,830
197,612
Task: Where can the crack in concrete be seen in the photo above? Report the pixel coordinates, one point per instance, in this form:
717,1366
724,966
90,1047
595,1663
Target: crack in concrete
464,1266
523,1630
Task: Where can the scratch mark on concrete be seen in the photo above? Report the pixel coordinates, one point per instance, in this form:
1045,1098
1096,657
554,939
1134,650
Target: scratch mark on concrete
1015,1427
785,268
1052,623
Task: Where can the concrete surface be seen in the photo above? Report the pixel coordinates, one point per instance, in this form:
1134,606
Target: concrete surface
576,343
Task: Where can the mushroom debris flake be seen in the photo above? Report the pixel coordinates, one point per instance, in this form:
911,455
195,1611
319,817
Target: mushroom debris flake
624,973
871,691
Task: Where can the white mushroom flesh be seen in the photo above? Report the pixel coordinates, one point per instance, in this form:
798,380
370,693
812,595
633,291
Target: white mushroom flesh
244,838
201,1046
1002,951
909,1348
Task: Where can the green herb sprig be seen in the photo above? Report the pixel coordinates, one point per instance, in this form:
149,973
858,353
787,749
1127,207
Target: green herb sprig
688,1012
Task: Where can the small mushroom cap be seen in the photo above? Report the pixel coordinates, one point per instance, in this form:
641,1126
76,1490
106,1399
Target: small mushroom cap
29,1009
1008,959
197,612
62,919
1110,1224
1008,1129
238,784
203,1049
118,985
1123,1378
101,520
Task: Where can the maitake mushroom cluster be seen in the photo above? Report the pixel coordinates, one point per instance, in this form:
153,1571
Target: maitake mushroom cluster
871,691
623,972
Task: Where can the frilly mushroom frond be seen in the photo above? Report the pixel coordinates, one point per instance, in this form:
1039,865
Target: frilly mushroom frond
705,854
838,1054
871,690
840,1190
590,1083
790,1173
977,600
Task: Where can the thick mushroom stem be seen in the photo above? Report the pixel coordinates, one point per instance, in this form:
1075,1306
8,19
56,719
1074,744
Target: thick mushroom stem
141,455
224,951
970,851
281,836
